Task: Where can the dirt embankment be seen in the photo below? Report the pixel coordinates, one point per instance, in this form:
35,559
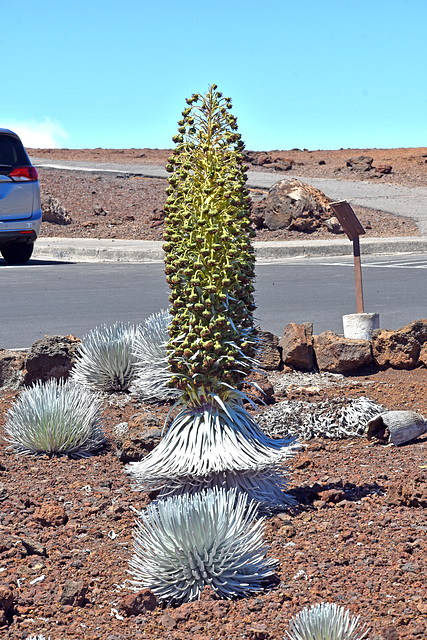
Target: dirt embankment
131,207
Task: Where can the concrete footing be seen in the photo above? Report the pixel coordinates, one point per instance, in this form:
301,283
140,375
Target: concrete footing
360,325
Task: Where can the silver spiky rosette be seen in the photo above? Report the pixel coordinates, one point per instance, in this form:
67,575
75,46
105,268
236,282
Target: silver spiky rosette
152,376
185,543
326,621
57,418
224,441
105,360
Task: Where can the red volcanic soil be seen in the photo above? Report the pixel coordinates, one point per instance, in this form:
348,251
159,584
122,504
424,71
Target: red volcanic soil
358,536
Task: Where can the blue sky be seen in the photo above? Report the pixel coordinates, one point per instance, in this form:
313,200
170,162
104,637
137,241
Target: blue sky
315,74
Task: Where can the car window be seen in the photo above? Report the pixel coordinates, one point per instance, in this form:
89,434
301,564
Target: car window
12,153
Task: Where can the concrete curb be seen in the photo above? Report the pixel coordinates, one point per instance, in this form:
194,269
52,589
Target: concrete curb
94,250
88,250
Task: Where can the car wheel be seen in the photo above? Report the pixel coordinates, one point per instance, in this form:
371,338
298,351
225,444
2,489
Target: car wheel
17,253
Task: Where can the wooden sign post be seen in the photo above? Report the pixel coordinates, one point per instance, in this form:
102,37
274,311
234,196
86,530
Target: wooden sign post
353,229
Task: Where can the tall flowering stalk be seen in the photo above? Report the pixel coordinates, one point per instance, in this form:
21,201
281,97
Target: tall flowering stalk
209,266
209,257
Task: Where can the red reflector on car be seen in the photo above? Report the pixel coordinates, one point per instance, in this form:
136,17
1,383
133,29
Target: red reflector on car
30,231
29,173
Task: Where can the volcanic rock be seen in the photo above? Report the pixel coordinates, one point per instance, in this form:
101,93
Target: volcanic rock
333,225
293,204
73,593
50,514
6,602
257,158
336,354
400,349
279,165
269,354
50,357
297,346
422,358
360,163
53,211
384,169
136,603
137,437
409,492
12,365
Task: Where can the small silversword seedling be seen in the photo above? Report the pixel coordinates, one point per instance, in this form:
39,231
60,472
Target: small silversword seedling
105,359
326,621
152,375
185,543
57,418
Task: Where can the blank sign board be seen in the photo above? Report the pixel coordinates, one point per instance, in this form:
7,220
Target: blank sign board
347,219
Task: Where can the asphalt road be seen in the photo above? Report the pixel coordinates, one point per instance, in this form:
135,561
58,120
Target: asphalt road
391,198
48,298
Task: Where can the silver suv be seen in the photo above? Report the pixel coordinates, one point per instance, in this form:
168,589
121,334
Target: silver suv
20,210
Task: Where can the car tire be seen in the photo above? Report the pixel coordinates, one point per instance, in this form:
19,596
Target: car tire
17,253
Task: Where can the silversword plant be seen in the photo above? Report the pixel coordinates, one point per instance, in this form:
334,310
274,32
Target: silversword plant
326,621
105,360
185,543
152,376
57,418
209,266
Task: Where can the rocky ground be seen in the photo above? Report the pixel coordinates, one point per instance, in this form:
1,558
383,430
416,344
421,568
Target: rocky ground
358,536
131,207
